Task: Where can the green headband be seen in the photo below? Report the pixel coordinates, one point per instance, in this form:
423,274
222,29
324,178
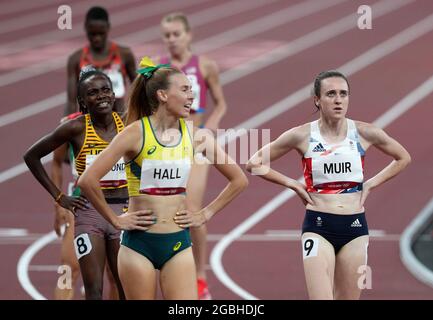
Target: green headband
149,71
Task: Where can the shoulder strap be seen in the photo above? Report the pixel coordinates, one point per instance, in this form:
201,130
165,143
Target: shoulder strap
315,131
352,132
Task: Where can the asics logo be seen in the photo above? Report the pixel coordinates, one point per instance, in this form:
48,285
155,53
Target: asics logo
151,150
177,246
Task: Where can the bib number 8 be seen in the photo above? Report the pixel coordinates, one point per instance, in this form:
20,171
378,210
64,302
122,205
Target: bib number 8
83,245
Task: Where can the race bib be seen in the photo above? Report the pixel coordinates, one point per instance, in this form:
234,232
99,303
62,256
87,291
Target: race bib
116,78
82,245
115,177
164,177
339,171
310,247
195,88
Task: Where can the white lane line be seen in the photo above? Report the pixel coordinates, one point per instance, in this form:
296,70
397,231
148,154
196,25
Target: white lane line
309,40
264,24
375,54
41,267
406,103
13,232
372,232
371,56
22,241
20,168
412,231
51,15
294,235
33,109
26,258
116,19
151,33
200,18
25,5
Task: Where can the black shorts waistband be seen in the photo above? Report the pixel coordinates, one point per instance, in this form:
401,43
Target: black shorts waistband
117,200
338,224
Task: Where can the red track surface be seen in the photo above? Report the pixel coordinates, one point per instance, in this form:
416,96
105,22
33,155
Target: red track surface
266,269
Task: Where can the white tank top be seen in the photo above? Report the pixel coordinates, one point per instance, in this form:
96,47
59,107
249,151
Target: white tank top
334,168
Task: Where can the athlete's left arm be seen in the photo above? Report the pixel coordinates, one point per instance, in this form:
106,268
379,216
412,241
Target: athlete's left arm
237,181
130,66
212,80
378,138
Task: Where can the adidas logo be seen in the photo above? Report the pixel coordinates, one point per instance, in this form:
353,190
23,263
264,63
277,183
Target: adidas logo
356,223
319,148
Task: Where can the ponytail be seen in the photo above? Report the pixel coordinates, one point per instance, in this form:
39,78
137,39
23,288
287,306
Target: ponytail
143,100
137,105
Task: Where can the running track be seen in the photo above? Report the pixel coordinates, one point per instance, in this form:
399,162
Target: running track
264,260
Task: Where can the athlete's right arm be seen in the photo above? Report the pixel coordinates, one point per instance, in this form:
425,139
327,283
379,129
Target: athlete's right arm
71,104
260,163
126,144
43,147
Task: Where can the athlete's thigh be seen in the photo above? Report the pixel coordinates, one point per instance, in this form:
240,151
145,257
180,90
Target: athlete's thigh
112,271
137,275
178,279
113,247
350,268
319,263
91,262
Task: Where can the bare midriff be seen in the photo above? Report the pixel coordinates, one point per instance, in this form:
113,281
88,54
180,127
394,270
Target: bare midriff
344,204
164,208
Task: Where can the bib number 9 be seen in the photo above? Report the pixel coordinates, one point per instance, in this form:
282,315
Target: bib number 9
310,247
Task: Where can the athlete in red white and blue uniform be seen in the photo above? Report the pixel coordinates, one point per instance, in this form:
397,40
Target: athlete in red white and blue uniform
335,231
